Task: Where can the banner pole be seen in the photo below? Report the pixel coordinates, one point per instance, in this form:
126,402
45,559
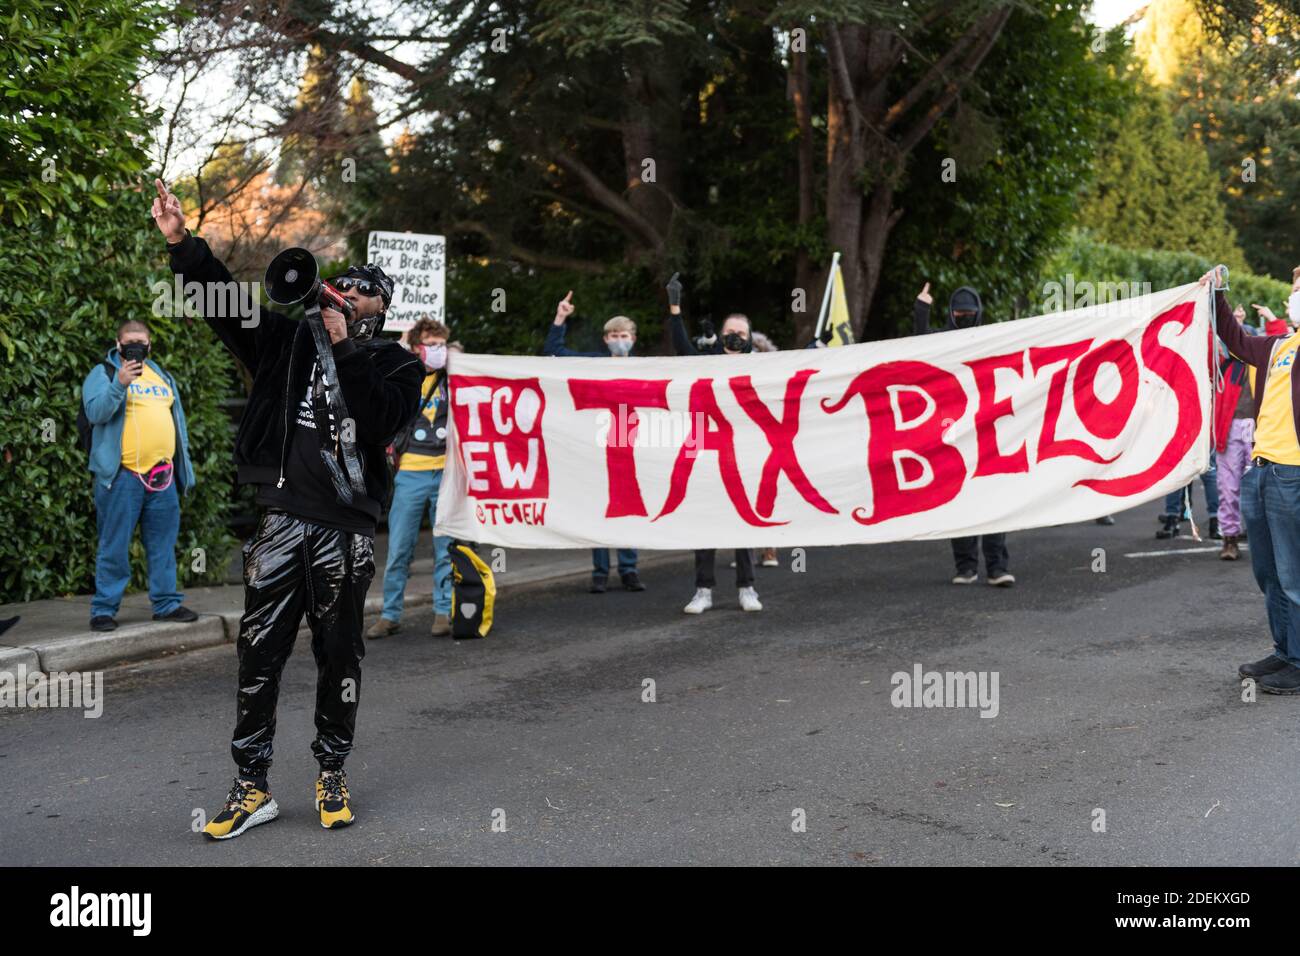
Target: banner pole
826,296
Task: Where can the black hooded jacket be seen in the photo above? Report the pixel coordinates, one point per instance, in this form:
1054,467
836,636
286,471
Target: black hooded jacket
964,298
379,379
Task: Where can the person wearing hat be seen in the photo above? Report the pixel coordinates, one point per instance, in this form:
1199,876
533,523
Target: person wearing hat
312,440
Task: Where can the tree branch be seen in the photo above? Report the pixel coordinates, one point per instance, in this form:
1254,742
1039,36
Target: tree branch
515,251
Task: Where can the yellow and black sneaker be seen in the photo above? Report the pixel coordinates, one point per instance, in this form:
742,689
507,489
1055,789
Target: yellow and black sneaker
246,806
332,800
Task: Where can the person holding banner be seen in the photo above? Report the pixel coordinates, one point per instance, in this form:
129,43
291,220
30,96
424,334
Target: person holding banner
735,338
1270,491
965,311
620,336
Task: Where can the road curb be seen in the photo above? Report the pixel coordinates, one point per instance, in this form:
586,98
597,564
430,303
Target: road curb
91,650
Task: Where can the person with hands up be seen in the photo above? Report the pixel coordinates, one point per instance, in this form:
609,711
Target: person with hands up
1270,491
735,339
620,337
966,311
313,552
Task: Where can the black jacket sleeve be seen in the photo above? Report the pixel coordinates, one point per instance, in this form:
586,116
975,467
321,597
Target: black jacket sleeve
681,341
381,386
920,317
242,325
1253,349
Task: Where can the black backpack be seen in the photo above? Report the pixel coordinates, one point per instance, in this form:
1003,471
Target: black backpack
85,430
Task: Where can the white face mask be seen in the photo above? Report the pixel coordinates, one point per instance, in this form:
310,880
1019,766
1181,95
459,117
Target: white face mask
433,356
619,347
1293,307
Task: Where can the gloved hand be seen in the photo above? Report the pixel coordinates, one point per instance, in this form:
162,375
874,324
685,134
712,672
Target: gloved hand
827,334
706,330
674,288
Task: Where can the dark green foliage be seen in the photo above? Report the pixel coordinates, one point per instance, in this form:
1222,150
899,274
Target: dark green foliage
78,253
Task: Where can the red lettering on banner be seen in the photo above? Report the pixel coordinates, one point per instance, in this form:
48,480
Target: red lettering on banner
909,407
1049,446
1106,419
499,435
1178,375
717,436
616,395
991,460
780,434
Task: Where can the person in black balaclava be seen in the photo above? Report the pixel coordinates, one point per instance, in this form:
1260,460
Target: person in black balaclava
965,311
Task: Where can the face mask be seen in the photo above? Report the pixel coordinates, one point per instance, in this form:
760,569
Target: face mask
619,347
735,342
434,356
1293,307
133,351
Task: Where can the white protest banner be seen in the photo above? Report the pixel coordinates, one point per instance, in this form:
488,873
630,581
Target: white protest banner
417,264
1041,421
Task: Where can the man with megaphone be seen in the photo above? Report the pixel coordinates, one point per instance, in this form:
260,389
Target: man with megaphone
328,396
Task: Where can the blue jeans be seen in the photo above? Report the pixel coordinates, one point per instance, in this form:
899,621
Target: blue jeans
412,491
600,561
118,509
1176,501
1270,509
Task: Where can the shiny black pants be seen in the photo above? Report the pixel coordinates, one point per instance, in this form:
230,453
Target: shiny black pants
291,568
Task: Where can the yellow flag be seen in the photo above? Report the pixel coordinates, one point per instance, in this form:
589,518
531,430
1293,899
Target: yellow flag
838,317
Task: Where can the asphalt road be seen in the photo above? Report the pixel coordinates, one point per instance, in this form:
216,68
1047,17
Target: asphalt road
1117,691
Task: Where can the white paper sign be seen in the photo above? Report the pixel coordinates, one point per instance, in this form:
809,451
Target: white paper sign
417,264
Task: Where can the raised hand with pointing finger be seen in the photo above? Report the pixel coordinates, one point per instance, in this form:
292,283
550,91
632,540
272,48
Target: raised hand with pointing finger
167,214
564,309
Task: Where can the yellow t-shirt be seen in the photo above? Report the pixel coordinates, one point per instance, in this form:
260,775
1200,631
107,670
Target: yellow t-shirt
149,434
412,461
1275,437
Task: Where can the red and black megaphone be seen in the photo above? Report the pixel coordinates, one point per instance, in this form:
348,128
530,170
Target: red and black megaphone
293,278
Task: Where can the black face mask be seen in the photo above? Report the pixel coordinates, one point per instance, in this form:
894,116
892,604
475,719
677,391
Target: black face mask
735,342
133,351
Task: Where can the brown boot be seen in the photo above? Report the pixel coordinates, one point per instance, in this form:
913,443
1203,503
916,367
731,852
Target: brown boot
441,625
1230,550
382,628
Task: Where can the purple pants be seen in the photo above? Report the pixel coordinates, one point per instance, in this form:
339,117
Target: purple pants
1233,464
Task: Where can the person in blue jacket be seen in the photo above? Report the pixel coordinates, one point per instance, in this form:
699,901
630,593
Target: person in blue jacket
620,336
140,458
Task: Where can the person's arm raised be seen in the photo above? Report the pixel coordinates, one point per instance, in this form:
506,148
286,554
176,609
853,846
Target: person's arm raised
245,329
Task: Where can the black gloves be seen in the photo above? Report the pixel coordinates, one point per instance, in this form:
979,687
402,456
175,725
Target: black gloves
828,333
674,288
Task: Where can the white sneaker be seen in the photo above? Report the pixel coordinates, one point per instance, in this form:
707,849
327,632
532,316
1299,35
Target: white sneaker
702,601
749,600
1003,580
965,577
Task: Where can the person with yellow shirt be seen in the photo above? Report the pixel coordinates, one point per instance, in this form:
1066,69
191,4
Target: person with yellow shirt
139,455
1270,490
422,447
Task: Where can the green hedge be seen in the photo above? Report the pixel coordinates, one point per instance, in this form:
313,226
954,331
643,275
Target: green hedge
1088,260
79,253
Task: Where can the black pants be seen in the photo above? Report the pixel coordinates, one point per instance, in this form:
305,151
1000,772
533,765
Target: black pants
966,551
705,578
293,567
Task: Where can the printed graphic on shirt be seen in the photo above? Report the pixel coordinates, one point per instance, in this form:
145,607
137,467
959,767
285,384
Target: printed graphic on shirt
149,433
315,395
